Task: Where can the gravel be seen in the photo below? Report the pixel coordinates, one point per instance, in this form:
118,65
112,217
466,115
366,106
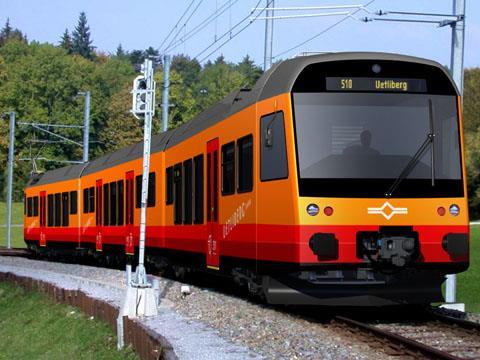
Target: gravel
208,323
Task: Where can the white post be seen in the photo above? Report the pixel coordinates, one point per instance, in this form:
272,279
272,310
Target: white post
165,92
147,134
267,56
11,147
86,126
456,69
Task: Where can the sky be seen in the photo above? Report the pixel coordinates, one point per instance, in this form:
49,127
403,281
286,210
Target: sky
138,24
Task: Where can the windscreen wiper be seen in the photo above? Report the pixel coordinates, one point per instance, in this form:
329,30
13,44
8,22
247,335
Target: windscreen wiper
429,142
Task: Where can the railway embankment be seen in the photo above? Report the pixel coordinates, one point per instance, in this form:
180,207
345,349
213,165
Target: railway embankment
210,323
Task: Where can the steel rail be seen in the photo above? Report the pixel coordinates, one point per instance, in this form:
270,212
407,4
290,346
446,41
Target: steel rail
19,252
409,345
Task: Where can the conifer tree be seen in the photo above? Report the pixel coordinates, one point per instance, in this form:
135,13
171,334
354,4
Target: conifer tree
66,41
81,42
120,52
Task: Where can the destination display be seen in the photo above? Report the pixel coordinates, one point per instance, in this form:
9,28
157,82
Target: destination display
376,84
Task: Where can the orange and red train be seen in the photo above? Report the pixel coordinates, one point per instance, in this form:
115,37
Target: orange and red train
337,179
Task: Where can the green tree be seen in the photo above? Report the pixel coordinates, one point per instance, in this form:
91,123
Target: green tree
249,70
120,52
8,33
81,42
66,42
189,69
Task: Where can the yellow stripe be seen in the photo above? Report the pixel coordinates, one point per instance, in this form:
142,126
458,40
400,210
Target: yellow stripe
213,267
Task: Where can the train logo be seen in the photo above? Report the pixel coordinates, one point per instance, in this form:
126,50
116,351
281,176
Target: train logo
387,210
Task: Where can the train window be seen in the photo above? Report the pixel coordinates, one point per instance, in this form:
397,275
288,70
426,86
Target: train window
187,191
57,209
106,199
228,169
151,190
245,164
85,200
35,206
177,193
113,203
169,186
273,152
73,202
198,189
50,214
120,201
29,207
24,204
65,209
91,200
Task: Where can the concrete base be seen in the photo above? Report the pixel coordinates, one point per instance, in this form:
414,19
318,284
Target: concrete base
454,306
140,302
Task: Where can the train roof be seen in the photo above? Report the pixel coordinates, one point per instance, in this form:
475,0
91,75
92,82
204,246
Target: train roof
279,79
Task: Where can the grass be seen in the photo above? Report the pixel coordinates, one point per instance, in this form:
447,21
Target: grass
33,327
468,283
17,219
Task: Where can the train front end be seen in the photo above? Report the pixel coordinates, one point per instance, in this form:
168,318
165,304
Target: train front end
382,206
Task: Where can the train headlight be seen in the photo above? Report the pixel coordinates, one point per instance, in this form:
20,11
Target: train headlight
454,210
312,209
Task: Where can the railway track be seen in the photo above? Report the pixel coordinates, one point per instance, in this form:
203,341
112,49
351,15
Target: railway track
437,337
14,252
433,335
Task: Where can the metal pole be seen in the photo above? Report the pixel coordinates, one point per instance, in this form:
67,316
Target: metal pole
165,93
11,147
267,57
456,69
148,71
86,126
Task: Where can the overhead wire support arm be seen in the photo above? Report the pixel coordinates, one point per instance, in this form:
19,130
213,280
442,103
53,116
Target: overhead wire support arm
301,16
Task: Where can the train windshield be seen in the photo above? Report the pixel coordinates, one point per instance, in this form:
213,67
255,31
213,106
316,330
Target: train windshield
356,144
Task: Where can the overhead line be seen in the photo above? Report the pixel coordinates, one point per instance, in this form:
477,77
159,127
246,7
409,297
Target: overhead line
324,31
184,24
229,32
203,24
178,22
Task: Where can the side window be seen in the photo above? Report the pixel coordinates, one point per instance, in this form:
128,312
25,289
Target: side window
245,164
177,193
86,194
50,214
228,169
273,151
57,209
65,209
198,189
106,198
151,190
35,206
73,202
29,207
120,202
91,200
187,192
113,203
169,186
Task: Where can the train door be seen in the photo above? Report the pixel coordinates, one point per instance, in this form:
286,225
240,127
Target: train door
43,217
213,248
129,246
98,215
